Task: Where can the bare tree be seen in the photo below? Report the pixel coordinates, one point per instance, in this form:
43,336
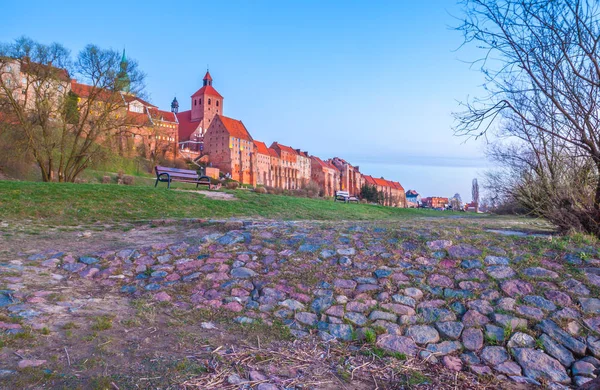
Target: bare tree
540,60
63,123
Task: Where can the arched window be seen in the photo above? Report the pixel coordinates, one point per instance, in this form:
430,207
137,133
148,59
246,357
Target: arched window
217,103
195,102
200,100
209,102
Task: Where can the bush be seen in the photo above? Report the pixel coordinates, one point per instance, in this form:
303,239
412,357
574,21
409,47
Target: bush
313,190
106,179
128,180
260,190
232,185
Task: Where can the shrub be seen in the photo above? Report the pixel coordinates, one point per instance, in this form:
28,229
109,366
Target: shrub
312,189
260,190
128,180
106,179
232,185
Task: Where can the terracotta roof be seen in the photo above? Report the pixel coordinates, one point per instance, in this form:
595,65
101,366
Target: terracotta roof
131,98
261,147
84,91
319,161
165,116
34,67
284,148
207,76
186,126
273,153
235,128
138,119
207,90
370,180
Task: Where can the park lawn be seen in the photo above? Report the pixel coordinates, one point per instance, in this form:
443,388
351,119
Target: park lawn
74,204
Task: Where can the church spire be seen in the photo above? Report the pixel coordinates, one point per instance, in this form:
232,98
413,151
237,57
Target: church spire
207,80
175,106
123,81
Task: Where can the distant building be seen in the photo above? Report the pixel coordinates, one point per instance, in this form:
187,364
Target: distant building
413,199
206,103
230,148
435,202
326,175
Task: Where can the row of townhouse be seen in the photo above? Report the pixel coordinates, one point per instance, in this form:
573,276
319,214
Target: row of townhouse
230,148
145,128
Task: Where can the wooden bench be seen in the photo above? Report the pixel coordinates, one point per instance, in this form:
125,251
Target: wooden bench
344,196
164,174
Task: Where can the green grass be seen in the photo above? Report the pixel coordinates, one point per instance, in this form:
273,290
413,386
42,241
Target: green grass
73,204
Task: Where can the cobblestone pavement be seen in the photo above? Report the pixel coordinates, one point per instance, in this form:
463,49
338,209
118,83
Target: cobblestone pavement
522,308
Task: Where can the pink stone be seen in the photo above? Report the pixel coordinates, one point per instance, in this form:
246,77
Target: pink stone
399,277
162,297
214,303
190,265
399,309
217,276
89,273
452,362
243,257
447,263
516,287
301,297
172,277
474,318
337,311
4,325
439,280
239,292
31,363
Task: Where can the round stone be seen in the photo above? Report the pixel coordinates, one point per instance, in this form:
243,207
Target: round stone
423,334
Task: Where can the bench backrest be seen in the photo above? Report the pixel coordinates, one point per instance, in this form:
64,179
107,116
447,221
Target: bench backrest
342,193
176,172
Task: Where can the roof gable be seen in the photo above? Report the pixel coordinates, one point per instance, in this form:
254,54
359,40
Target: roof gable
234,127
261,147
207,90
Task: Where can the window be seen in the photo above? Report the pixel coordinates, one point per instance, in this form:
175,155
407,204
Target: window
209,102
217,103
195,102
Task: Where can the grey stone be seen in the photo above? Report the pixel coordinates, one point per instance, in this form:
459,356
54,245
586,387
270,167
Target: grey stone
444,348
341,331
494,332
494,355
356,318
539,366
590,305
88,260
521,340
306,318
450,329
509,368
382,315
398,344
408,301
292,304
495,260
582,368
540,302
242,272
540,273
557,351
423,334
434,314
321,304
500,272
472,339
554,331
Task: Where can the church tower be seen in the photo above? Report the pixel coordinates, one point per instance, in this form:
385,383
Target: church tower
206,103
123,81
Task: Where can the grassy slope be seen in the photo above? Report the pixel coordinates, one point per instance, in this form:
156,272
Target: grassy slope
69,204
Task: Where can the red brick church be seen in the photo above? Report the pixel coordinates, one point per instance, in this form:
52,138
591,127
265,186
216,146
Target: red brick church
205,103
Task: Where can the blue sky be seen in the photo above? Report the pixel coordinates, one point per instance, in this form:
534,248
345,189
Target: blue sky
372,82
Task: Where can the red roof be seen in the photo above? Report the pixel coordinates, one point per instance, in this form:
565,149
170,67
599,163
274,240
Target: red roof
207,76
131,98
370,180
273,153
323,164
207,90
83,90
186,126
235,128
261,147
165,116
284,148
